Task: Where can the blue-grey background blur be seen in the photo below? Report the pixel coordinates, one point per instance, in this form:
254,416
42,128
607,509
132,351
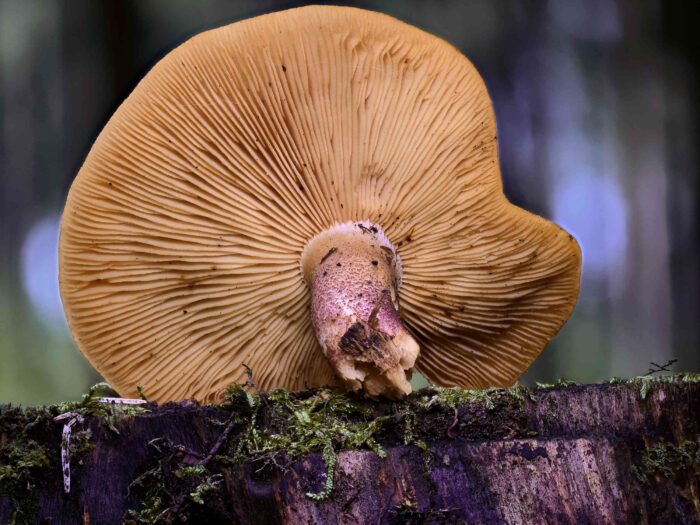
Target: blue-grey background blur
598,131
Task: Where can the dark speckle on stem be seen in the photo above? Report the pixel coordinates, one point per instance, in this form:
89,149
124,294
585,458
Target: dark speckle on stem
330,252
375,263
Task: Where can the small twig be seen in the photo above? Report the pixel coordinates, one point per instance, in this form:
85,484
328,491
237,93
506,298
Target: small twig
65,445
170,512
325,406
270,457
432,401
454,424
122,401
655,367
220,441
139,389
251,383
173,511
65,415
397,415
186,451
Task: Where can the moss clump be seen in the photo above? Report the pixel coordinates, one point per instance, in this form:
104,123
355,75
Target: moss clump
453,396
21,463
669,460
267,427
173,490
211,483
410,422
325,421
23,459
647,382
156,498
560,383
110,414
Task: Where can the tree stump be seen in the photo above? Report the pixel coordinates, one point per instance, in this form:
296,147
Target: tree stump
624,452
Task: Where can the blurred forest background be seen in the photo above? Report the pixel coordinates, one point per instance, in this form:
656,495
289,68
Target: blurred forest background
596,102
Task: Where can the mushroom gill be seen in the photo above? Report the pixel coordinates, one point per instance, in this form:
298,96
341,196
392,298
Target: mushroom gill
183,233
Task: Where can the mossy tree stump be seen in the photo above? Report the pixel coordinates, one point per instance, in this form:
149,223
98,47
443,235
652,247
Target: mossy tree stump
625,452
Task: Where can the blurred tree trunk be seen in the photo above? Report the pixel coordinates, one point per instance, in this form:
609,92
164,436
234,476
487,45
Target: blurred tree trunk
613,453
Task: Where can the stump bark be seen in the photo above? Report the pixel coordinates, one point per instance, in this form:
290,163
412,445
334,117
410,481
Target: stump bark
610,453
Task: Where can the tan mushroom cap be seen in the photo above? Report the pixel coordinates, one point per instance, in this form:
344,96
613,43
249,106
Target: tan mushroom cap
182,233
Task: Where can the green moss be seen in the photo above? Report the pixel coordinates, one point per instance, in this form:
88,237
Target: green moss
142,395
156,499
325,421
210,484
669,460
191,470
270,425
410,422
560,383
163,499
110,414
23,460
452,397
647,382
328,421
20,464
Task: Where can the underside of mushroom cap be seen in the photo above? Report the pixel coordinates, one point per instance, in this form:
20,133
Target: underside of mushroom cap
182,233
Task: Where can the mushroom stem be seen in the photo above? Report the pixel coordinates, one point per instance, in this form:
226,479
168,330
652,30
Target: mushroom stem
354,274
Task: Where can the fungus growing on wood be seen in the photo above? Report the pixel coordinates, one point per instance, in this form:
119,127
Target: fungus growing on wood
318,181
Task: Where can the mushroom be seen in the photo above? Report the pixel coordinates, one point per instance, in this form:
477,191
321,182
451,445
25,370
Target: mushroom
321,181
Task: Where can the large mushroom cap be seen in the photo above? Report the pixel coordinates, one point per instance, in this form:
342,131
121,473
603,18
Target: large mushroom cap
182,233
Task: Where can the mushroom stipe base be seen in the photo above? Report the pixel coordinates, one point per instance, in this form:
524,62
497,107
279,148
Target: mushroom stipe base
354,274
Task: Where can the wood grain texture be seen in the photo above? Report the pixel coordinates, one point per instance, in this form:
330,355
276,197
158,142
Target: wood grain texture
573,455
